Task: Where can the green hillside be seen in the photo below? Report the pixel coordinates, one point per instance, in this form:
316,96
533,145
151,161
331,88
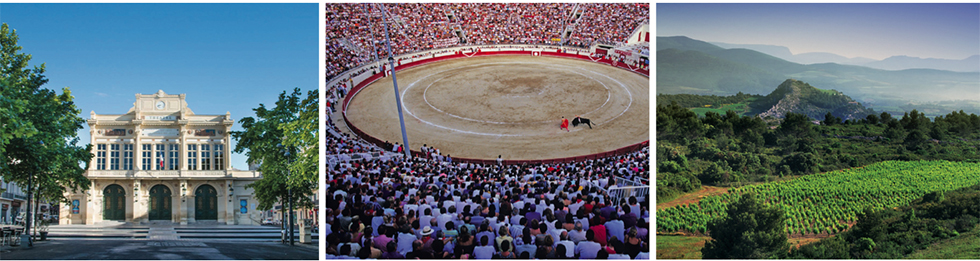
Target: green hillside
807,200
694,72
687,65
790,96
685,43
964,246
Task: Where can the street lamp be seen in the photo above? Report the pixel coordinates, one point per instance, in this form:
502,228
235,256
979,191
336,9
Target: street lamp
289,195
398,100
30,215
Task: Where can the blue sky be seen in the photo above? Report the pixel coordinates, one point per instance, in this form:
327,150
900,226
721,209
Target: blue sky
877,31
225,57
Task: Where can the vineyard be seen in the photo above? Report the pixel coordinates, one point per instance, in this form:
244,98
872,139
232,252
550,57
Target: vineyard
827,202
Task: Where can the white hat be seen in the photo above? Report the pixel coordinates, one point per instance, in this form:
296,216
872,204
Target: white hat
427,231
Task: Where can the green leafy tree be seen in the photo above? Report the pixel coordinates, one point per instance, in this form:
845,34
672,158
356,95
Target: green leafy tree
38,127
265,141
830,120
751,230
872,119
304,133
797,125
885,117
895,132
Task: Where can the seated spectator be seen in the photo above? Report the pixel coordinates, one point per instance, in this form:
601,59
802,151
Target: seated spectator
427,239
392,252
546,249
418,252
451,230
506,252
633,244
405,243
504,237
439,251
599,230
565,249
577,235
485,250
616,229
384,238
588,249
465,243
629,218
525,245
602,254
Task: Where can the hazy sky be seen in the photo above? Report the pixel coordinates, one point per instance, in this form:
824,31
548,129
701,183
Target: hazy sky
877,31
225,57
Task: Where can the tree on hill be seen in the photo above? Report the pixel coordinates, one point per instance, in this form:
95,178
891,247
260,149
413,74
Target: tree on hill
830,120
750,231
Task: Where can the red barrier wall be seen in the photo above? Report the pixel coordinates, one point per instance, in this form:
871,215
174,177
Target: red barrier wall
624,150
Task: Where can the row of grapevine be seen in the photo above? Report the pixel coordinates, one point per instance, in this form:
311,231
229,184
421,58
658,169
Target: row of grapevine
824,203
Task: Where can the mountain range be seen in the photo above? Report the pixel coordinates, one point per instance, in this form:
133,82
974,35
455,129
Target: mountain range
686,65
899,62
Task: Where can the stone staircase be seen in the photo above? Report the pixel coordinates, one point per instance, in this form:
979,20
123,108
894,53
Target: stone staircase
237,233
167,231
99,231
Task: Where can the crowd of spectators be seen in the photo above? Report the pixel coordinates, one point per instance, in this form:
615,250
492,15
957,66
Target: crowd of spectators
355,32
610,23
512,23
344,20
338,142
431,209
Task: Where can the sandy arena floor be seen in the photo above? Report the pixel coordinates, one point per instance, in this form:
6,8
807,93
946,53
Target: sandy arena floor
482,107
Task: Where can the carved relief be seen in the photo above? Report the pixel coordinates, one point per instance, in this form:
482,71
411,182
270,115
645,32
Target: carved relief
204,132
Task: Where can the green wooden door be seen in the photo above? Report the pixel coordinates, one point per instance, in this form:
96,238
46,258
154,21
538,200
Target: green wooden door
206,203
114,203
160,205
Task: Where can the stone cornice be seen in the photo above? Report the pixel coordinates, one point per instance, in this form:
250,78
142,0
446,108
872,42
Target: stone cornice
173,174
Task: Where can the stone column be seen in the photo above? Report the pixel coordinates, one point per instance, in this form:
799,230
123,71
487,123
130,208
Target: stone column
184,188
140,200
94,205
230,206
64,214
182,140
191,203
226,142
138,148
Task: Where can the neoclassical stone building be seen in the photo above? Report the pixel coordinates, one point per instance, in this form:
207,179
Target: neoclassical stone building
161,162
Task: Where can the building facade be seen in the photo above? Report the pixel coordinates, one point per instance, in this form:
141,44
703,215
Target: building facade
13,201
161,162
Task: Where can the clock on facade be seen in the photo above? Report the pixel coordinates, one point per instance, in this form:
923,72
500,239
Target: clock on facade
160,105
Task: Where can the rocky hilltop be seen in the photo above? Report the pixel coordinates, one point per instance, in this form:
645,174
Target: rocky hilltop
799,97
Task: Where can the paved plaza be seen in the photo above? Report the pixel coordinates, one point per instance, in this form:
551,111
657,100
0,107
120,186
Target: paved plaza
148,250
158,241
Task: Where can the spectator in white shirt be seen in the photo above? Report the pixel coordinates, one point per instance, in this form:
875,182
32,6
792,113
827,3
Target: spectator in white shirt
588,249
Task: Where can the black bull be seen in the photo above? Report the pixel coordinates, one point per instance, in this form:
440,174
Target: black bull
580,120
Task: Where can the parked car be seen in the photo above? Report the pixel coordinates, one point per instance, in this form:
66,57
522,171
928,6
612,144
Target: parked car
268,221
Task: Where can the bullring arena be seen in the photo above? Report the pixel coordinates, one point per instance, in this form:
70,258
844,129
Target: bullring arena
478,80
483,106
